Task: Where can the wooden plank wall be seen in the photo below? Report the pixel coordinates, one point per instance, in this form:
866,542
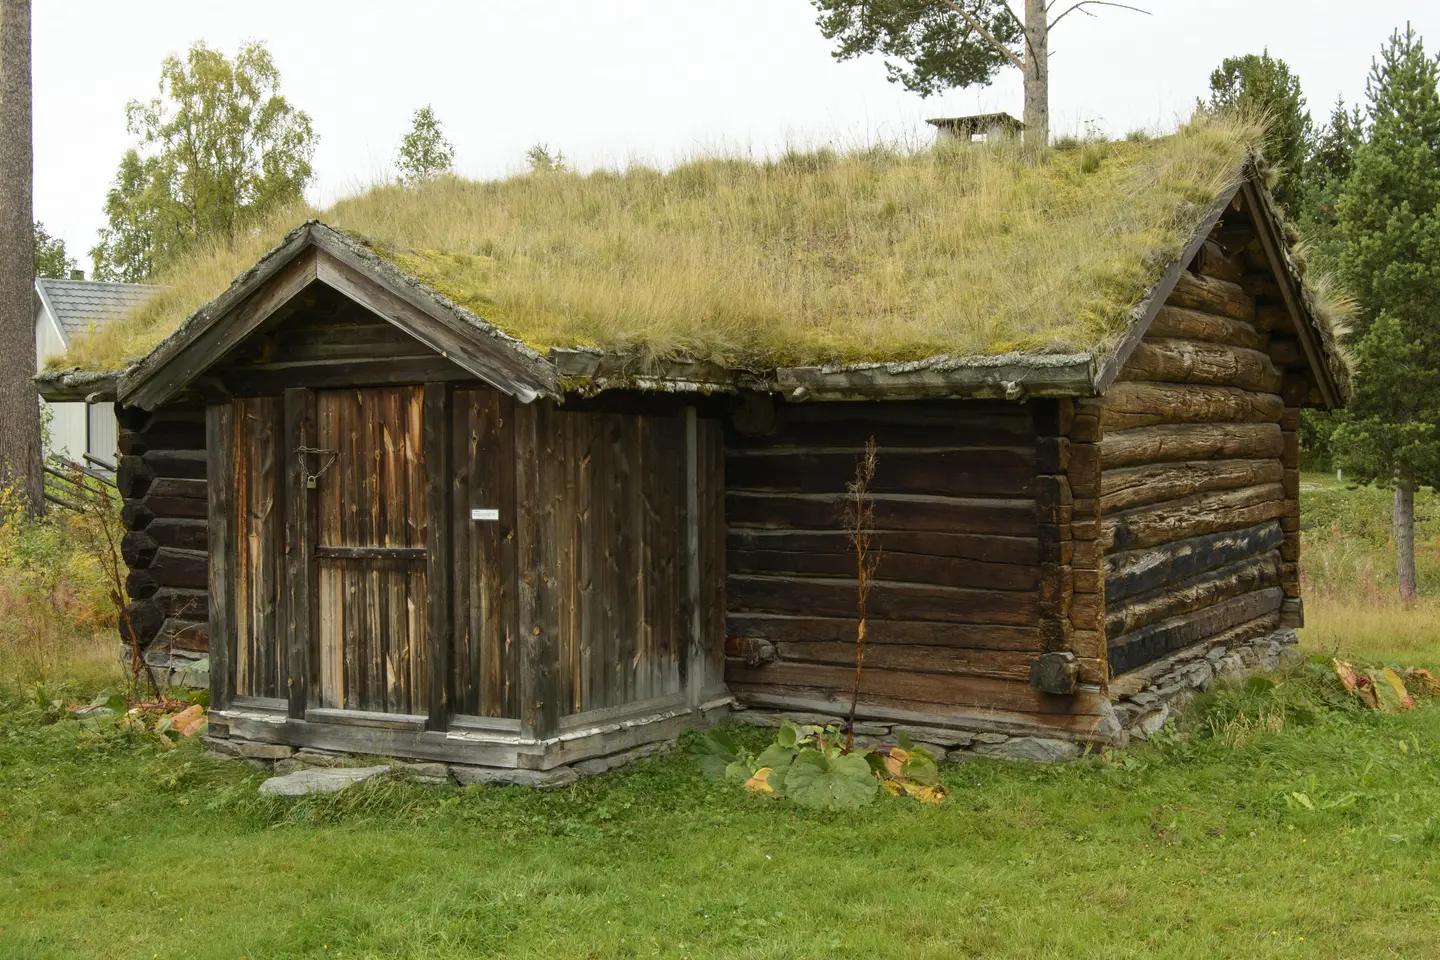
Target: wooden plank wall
610,525
162,478
955,613
1198,460
485,661
258,660
371,600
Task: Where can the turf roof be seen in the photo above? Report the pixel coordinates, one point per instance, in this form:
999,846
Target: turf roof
872,255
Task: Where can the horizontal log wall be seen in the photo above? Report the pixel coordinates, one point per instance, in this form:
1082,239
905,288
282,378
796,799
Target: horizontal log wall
161,476
1196,486
973,516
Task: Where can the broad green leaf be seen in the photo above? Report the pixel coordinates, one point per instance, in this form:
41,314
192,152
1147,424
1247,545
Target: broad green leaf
775,756
902,740
830,783
714,751
787,737
740,769
1259,684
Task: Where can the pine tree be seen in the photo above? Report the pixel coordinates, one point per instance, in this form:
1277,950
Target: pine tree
1389,231
424,153
1264,85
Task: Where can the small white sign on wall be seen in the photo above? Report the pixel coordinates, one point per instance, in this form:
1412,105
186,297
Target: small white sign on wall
484,513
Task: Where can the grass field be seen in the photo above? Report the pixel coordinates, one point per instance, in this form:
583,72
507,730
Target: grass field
1319,839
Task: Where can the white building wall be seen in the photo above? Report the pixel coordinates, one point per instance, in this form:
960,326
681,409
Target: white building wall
102,427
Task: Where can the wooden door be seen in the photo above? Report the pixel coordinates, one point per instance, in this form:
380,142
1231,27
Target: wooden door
370,550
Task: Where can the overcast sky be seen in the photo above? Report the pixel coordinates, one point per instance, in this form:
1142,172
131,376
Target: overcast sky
615,81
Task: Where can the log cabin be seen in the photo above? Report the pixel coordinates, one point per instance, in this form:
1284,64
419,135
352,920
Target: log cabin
400,528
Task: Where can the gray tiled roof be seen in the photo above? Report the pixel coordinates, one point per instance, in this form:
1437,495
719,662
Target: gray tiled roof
80,304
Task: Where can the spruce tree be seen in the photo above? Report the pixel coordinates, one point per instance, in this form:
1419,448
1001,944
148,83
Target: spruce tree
1389,233
1264,84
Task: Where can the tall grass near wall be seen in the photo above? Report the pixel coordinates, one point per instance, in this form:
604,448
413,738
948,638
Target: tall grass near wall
1348,570
57,620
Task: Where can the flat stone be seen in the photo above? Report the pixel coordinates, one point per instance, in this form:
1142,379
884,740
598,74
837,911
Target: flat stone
1031,748
229,749
319,780
757,719
255,750
1151,723
321,758
991,738
432,774
466,775
596,765
937,735
291,765
1214,653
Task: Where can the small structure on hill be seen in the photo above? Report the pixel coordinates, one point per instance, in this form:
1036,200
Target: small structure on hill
400,530
980,126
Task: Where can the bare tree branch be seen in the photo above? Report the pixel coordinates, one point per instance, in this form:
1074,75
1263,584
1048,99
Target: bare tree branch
980,27
1091,3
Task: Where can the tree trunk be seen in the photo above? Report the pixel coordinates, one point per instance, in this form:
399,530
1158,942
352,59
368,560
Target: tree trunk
1037,74
1402,522
20,456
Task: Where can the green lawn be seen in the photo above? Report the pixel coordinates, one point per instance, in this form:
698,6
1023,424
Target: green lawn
1320,839
1191,849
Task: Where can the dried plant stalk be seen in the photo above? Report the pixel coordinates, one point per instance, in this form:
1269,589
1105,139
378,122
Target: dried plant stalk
860,526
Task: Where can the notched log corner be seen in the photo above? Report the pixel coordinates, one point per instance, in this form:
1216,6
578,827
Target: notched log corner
1056,673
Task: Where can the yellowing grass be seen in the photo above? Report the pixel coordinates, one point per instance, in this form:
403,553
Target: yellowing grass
874,254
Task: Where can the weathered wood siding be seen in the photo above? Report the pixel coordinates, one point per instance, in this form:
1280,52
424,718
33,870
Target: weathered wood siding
1195,465
608,564
371,551
485,665
162,478
258,492
965,509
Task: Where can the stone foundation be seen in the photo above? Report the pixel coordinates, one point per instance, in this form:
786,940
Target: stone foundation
282,759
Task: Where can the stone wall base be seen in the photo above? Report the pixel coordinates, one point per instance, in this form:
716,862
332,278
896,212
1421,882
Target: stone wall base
1141,702
281,759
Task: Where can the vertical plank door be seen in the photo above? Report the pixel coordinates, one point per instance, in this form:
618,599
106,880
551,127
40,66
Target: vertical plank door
371,551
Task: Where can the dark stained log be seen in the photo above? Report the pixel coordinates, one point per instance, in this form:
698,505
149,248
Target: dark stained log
1132,573
192,636
1245,576
961,546
1290,450
1294,390
1087,611
711,496
1140,404
1261,284
1052,455
1285,352
918,568
1290,419
140,584
1053,500
133,476
438,633
1127,487
940,472
188,533
180,568
888,600
174,435
924,424
138,548
1211,261
1084,474
175,488
921,688
155,505
1269,318
1178,323
1158,639
927,633
183,603
1189,361
136,514
753,650
1292,613
141,622
1087,427
1191,517
1191,441
401,554
184,464
1004,665
1015,518
1212,295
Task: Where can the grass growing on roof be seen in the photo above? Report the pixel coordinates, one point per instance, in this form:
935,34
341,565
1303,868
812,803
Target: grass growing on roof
875,254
